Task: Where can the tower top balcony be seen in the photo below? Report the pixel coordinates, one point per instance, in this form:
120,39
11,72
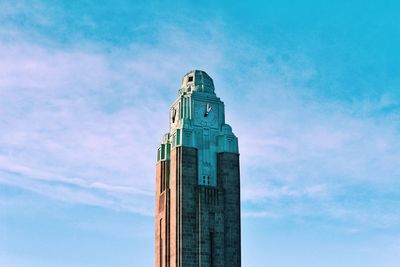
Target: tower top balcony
197,81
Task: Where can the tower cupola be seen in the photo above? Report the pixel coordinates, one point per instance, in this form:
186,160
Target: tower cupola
197,80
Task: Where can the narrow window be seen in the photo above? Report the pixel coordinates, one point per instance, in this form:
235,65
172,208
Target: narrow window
212,259
162,180
161,244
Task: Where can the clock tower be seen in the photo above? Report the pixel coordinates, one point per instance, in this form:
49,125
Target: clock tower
198,182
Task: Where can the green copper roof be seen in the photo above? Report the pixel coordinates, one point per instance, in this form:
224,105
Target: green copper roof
197,80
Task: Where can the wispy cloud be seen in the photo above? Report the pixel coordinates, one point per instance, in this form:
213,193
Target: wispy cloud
83,126
305,154
81,123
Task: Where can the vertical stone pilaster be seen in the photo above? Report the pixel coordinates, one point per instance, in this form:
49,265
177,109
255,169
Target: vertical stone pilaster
173,206
162,214
189,207
183,208
229,179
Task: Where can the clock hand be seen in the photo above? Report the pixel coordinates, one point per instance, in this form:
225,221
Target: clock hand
208,109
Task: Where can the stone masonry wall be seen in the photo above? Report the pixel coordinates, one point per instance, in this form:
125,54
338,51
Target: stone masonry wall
161,213
199,225
189,208
211,226
229,178
183,207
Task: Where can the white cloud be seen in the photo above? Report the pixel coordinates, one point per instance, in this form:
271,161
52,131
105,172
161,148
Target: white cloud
82,124
263,192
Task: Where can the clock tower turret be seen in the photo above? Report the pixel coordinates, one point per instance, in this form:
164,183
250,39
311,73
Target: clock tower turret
197,119
202,144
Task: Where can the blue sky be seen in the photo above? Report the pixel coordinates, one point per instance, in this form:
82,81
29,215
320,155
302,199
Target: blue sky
311,89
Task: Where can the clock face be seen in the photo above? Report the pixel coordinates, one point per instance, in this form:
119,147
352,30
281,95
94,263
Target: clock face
206,114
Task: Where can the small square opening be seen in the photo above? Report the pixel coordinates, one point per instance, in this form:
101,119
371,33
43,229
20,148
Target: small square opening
190,79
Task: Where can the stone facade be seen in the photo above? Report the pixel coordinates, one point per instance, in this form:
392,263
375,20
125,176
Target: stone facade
197,216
